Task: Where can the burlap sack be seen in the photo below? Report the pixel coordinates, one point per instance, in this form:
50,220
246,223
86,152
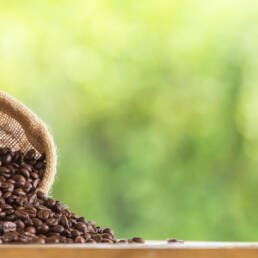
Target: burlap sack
21,129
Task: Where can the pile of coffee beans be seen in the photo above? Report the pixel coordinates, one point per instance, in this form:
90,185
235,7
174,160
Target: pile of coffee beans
27,215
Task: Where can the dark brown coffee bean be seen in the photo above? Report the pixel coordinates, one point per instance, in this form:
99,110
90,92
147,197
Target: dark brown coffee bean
20,180
36,222
9,237
75,233
39,240
51,203
21,214
106,241
19,224
108,236
35,183
137,240
31,230
122,241
64,221
52,240
30,155
24,172
58,229
108,231
43,228
39,165
43,214
96,237
4,170
90,241
79,240
7,159
52,222
81,226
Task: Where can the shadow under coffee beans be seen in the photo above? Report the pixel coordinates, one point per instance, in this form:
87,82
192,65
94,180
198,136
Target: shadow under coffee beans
27,215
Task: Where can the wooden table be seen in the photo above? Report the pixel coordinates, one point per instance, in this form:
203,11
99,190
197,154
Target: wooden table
149,250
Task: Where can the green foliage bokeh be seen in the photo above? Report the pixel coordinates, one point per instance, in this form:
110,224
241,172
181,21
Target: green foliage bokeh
153,106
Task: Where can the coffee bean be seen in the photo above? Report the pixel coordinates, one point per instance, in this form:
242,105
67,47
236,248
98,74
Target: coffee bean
43,214
79,239
122,241
39,240
31,230
21,214
174,240
4,170
24,172
58,229
36,222
19,224
30,155
43,228
64,221
20,180
52,222
137,240
75,233
9,226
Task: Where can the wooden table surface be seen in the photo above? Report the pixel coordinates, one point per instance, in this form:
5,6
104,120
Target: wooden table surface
148,250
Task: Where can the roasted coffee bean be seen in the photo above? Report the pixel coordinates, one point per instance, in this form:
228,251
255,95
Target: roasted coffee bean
31,230
106,241
174,240
9,226
79,239
21,214
30,155
19,224
43,214
137,240
4,170
97,237
108,231
75,233
64,221
43,228
90,241
20,180
36,222
58,229
24,172
52,240
122,241
52,222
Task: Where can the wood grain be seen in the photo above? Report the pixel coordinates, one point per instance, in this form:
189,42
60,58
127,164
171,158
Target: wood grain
149,250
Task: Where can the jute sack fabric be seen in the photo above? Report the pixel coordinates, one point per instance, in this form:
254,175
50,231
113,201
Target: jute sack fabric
21,129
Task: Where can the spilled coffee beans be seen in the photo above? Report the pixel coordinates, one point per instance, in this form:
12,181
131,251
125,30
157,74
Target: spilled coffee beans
28,216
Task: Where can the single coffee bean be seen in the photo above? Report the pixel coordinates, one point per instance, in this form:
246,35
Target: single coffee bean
30,155
52,222
137,240
122,241
43,228
43,214
79,239
9,226
31,230
58,229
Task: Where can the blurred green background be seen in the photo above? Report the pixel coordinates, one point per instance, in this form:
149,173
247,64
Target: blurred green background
153,106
